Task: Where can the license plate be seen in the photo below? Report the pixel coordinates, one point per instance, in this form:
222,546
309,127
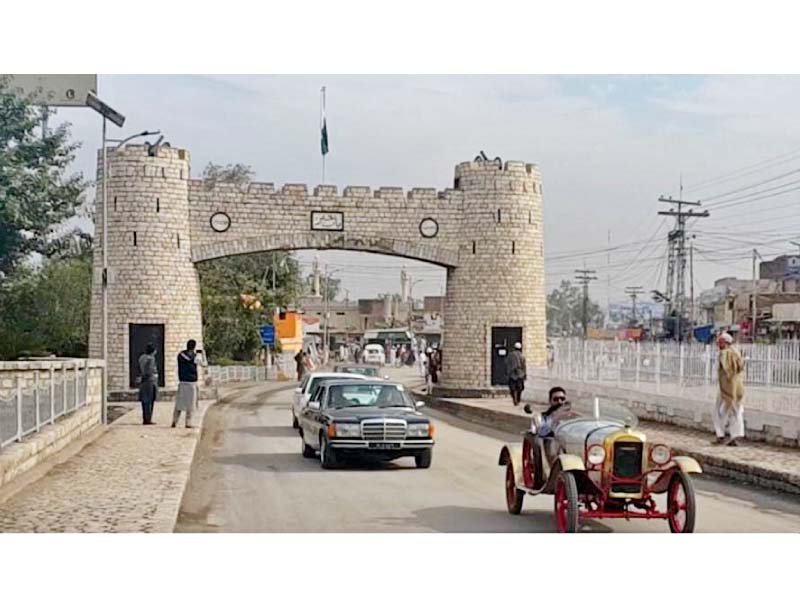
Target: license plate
383,446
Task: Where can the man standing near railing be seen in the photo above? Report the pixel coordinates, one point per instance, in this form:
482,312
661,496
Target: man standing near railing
728,411
148,386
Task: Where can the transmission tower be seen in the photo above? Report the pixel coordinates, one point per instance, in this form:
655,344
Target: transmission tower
677,257
584,276
634,292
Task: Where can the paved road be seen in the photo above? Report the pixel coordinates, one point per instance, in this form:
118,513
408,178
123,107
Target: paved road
249,476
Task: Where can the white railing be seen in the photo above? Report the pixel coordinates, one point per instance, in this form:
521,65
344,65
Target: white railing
31,398
691,364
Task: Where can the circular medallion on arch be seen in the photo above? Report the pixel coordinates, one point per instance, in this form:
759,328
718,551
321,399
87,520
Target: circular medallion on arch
428,228
220,222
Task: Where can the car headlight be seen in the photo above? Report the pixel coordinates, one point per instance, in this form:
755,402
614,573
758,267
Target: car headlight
660,454
595,455
420,430
348,430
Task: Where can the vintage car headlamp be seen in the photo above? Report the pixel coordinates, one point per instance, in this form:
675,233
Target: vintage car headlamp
595,455
660,454
348,430
419,430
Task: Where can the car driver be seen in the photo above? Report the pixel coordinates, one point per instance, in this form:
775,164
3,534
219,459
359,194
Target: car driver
557,409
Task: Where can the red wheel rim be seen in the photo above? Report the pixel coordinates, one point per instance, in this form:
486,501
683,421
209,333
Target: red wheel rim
511,486
527,470
561,504
676,500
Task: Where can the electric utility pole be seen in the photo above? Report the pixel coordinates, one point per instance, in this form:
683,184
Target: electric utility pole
633,292
584,276
756,256
677,240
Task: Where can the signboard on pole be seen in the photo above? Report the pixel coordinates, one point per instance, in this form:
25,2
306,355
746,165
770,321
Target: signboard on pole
54,90
267,333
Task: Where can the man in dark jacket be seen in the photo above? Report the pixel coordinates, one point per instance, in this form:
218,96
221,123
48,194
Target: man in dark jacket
516,372
148,386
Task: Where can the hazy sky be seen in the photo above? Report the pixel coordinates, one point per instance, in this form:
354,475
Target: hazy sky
607,147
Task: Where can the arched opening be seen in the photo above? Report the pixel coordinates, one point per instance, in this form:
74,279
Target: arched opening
330,302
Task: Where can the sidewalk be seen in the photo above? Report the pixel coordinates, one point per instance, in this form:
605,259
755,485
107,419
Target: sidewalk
131,479
754,463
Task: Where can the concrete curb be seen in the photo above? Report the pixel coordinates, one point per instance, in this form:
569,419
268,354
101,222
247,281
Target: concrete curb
730,469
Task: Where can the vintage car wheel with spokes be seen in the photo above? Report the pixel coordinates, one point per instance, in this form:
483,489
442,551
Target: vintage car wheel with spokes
681,503
531,464
566,503
514,496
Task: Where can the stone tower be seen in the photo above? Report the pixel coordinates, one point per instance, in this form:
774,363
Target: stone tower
152,280
499,282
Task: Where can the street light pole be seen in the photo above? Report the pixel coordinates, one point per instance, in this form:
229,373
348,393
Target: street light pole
104,417
93,102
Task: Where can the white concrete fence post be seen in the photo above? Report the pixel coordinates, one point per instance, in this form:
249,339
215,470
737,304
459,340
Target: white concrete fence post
77,384
19,408
658,366
64,387
681,358
52,395
36,398
769,365
638,363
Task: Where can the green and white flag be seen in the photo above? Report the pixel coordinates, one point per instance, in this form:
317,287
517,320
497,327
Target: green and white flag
324,126
324,141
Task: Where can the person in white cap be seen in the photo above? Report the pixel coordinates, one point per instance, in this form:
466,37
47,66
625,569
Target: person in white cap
516,372
728,412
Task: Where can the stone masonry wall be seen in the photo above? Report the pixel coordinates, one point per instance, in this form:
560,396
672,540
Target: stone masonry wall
487,232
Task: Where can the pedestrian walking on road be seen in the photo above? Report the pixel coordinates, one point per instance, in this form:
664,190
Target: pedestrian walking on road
516,372
433,366
186,398
728,412
300,359
148,385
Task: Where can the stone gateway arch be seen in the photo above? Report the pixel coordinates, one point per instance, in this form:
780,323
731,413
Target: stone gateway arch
486,232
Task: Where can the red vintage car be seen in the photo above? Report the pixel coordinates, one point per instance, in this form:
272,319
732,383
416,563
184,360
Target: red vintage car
598,466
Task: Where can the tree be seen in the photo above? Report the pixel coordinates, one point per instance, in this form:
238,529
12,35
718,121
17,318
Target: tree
239,173
46,310
239,293
237,297
37,196
565,311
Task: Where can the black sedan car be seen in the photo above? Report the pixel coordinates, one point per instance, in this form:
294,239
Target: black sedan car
348,418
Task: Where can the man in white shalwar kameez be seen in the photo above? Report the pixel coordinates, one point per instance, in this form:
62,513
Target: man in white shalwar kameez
728,412
187,396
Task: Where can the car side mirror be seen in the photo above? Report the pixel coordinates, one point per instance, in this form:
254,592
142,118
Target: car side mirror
419,404
298,389
528,409
313,405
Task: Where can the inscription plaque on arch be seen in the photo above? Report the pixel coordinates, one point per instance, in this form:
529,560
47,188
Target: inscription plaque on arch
322,220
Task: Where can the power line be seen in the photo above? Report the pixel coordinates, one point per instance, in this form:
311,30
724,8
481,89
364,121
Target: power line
748,170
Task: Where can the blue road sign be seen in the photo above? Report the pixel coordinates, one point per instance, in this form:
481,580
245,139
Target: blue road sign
267,334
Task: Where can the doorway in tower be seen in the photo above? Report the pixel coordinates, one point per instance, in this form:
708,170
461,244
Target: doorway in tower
503,340
138,338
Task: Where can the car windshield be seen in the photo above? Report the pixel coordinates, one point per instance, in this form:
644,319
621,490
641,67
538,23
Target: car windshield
607,410
366,395
359,370
317,380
